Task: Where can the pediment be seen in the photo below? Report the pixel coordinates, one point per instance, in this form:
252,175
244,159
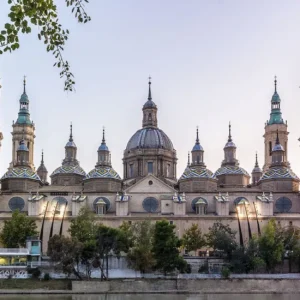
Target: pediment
150,184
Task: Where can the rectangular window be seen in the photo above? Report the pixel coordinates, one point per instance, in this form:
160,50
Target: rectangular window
150,167
270,148
168,170
131,170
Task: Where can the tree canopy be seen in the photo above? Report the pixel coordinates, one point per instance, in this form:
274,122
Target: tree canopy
17,229
193,238
42,15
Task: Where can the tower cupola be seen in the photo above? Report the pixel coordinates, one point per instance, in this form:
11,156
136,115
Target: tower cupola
71,150
103,153
149,110
197,152
276,115
256,172
24,115
230,151
42,170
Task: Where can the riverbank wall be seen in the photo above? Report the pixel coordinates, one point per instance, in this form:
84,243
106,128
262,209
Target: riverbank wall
193,286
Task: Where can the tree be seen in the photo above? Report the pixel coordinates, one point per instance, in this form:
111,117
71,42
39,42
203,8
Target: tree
42,15
140,256
221,237
17,229
108,241
246,259
83,227
193,238
165,248
67,253
271,245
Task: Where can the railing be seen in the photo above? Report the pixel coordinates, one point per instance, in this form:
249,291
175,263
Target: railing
23,251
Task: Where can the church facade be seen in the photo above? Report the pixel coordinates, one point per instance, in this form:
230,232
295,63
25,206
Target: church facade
150,187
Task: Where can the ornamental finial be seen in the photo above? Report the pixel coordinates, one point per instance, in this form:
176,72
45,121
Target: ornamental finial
71,133
256,161
149,92
229,136
24,84
188,159
103,135
197,135
275,83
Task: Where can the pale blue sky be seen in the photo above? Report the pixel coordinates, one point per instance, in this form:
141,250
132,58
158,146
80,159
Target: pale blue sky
211,62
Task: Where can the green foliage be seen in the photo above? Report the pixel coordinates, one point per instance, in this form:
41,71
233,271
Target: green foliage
17,229
67,253
83,228
193,238
203,268
35,272
225,273
140,256
271,245
47,277
221,237
42,15
165,248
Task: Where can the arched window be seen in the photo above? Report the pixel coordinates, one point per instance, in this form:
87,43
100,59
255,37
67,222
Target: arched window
97,207
16,203
150,204
199,206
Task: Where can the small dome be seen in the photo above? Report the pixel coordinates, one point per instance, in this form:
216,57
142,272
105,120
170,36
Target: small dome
230,144
278,173
103,172
76,169
149,104
275,98
103,147
21,172
152,138
70,144
231,170
42,168
24,98
256,170
197,147
196,172
277,147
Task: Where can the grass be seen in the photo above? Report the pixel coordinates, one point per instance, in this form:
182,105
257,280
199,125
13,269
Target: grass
34,284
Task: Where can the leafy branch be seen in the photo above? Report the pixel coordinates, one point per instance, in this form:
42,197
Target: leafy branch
25,14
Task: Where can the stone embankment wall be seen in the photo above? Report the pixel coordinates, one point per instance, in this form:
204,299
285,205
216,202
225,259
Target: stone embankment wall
224,286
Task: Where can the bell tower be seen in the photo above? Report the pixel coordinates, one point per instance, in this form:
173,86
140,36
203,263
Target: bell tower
274,125
23,130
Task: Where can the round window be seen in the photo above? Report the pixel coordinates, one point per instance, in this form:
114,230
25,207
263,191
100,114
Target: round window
150,182
150,204
16,203
107,202
283,205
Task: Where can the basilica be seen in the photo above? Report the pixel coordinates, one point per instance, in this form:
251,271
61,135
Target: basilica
150,187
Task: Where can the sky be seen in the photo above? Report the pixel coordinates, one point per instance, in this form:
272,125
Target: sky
211,62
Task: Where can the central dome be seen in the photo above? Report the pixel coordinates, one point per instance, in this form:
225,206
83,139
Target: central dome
150,138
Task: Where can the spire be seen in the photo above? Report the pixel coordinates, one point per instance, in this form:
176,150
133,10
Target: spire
149,92
71,133
42,161
275,83
197,136
256,161
188,164
24,84
103,136
229,136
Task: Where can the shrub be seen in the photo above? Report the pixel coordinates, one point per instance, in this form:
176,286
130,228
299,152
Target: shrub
203,268
225,273
47,276
35,272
